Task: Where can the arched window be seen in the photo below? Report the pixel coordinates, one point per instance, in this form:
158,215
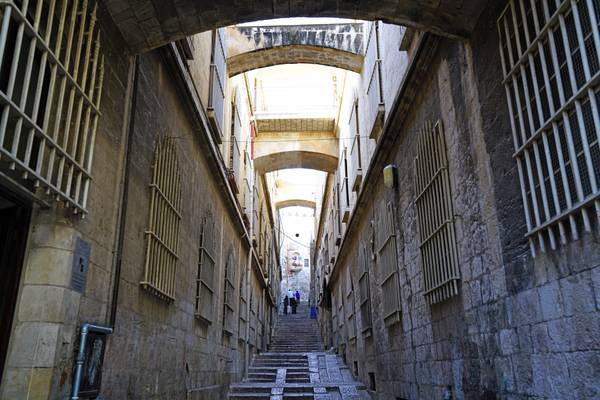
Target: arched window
229,296
163,227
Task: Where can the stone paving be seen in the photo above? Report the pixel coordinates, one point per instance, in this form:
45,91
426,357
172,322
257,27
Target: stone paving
296,367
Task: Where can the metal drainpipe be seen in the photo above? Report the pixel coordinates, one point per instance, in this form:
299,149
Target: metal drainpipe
124,196
85,329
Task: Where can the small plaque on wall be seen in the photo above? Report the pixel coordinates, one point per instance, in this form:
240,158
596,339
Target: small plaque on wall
81,263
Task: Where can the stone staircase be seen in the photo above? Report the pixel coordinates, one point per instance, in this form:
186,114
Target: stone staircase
296,367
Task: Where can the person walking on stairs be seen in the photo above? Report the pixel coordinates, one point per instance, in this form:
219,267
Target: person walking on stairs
297,296
285,304
294,304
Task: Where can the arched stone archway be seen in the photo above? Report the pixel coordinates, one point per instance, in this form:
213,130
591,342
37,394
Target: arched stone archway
147,24
294,54
295,159
296,203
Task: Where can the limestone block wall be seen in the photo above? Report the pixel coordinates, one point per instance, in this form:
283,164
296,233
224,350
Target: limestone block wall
521,327
158,350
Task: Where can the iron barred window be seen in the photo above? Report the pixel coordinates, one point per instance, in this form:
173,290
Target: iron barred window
364,288
229,296
551,64
217,89
162,236
51,74
349,305
435,216
205,291
388,263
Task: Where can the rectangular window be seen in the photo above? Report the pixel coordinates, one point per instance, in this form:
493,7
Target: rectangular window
355,151
349,305
340,313
235,155
162,236
550,58
375,110
205,290
51,75
435,216
388,263
216,91
243,320
345,206
229,296
364,289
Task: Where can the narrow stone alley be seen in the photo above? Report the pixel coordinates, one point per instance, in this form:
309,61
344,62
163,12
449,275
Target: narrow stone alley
422,177
296,366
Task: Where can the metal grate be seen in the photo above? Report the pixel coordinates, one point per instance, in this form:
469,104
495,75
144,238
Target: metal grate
216,91
349,305
162,235
235,154
345,205
51,73
243,314
364,288
355,151
205,278
374,83
388,262
435,216
550,58
229,296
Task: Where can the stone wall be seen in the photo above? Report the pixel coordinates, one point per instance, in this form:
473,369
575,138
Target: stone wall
521,327
158,349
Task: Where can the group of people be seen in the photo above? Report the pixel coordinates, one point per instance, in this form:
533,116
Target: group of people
291,299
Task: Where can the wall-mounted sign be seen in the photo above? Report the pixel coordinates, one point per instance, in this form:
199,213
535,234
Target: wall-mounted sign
81,263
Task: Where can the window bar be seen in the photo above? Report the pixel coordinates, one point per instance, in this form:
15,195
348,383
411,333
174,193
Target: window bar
591,95
550,99
11,80
540,114
528,164
61,95
561,95
567,124
90,153
38,96
514,128
26,82
51,86
82,152
84,82
67,128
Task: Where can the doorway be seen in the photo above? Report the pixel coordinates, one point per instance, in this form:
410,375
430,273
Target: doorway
14,226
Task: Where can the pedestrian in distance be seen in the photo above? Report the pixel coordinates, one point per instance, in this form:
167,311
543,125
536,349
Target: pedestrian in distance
293,304
297,296
285,304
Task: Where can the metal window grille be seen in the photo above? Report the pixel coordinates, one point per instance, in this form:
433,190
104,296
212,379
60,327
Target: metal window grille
205,277
388,263
162,236
235,155
51,73
374,96
229,296
364,288
345,205
243,320
349,304
551,62
340,311
435,216
355,153
216,90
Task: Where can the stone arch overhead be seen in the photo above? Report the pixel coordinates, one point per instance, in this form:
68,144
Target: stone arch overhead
296,203
148,24
295,159
294,54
